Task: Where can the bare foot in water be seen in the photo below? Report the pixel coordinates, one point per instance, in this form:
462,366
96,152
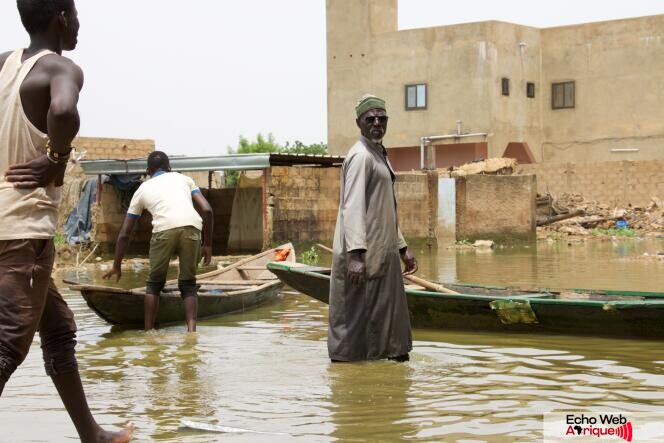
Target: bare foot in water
116,437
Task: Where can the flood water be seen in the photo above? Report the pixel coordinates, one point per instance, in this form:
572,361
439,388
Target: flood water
267,369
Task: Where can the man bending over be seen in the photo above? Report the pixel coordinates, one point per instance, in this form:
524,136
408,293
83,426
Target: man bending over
176,230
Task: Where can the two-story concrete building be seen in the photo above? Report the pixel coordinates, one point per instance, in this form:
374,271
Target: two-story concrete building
584,93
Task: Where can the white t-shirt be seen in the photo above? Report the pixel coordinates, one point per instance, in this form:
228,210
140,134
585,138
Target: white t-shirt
167,196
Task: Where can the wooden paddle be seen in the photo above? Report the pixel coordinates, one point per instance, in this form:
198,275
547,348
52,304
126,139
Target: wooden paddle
417,280
430,285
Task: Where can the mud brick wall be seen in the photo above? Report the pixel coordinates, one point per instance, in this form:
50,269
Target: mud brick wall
617,183
108,217
415,204
113,148
495,207
303,203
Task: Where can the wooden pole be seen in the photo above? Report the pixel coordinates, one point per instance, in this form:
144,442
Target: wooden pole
325,248
429,285
555,218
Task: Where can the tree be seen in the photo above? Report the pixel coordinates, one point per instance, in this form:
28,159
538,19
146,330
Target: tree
300,148
270,145
259,145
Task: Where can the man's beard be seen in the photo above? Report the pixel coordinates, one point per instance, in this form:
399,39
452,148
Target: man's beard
378,141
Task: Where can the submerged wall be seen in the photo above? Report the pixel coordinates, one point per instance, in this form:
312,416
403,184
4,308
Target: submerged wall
417,202
495,207
303,202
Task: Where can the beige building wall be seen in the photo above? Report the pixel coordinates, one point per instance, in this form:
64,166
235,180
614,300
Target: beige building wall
618,68
515,54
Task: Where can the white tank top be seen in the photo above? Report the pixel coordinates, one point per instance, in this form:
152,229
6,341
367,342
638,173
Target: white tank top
24,213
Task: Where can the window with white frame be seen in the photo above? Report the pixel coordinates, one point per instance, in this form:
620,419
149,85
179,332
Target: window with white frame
416,96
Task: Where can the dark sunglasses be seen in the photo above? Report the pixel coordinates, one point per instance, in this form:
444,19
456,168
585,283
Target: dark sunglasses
382,119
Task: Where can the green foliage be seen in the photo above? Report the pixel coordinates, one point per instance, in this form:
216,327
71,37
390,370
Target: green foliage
261,144
310,256
269,144
617,232
300,148
59,238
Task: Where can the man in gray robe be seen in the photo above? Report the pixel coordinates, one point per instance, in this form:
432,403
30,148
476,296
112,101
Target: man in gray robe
368,309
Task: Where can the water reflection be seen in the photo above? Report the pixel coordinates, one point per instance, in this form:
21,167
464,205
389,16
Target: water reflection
593,264
267,369
371,401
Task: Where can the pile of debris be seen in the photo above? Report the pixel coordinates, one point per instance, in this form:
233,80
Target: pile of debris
572,214
492,166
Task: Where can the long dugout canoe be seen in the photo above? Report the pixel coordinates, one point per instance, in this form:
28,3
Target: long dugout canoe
241,286
589,312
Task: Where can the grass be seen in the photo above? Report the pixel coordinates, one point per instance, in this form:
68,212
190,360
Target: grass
310,256
624,232
59,238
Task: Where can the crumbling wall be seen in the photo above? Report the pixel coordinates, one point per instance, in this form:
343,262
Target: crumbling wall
495,207
616,183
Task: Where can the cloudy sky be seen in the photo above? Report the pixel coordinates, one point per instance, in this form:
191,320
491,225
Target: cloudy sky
195,75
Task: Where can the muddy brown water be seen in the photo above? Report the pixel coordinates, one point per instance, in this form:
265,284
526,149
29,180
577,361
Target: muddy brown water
267,369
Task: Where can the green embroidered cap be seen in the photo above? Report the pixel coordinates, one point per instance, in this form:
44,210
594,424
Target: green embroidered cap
367,102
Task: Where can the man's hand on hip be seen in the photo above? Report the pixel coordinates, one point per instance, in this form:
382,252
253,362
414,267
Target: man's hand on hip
356,267
409,261
37,173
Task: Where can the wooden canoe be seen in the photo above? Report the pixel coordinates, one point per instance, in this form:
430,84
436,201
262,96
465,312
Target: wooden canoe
235,288
487,308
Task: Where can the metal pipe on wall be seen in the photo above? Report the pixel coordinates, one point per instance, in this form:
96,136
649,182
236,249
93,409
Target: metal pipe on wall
429,138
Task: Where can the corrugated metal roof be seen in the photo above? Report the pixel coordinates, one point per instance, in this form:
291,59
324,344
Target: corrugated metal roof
277,159
238,162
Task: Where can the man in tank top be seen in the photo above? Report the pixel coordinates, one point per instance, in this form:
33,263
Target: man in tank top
38,120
